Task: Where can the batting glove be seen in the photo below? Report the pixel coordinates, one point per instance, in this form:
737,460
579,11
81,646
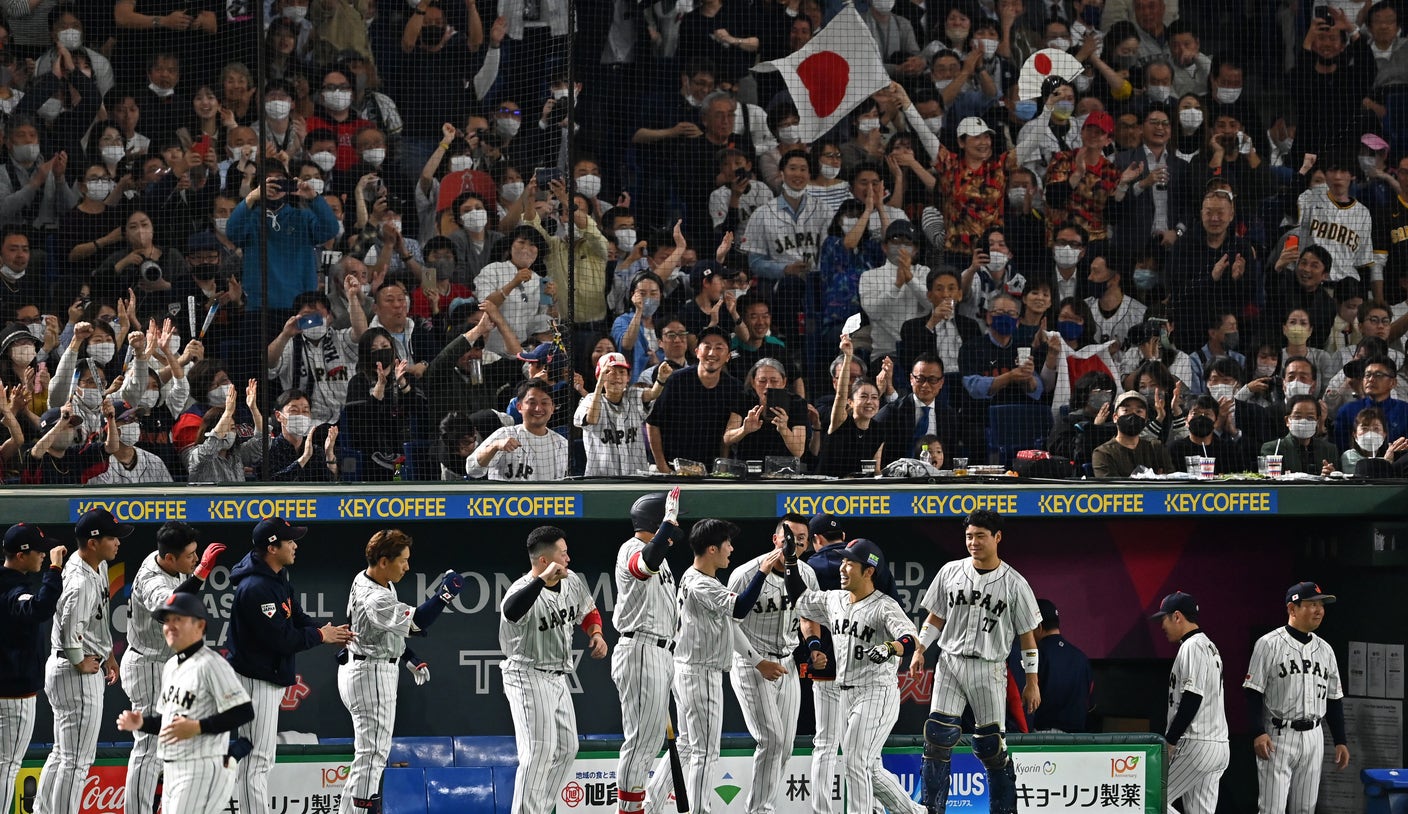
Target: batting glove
880,653
240,748
420,671
207,560
451,583
672,506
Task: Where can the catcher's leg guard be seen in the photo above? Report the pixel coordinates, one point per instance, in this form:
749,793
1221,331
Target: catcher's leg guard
991,748
940,735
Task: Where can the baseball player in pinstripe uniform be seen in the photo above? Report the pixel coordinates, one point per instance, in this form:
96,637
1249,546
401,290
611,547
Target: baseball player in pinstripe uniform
535,633
1197,720
366,677
976,606
869,629
1293,686
707,633
267,628
642,667
161,574
82,646
23,613
199,703
770,706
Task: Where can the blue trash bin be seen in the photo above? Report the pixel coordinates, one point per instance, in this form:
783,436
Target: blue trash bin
1385,791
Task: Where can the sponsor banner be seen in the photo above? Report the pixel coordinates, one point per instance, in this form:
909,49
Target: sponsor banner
297,785
1049,778
1034,503
252,508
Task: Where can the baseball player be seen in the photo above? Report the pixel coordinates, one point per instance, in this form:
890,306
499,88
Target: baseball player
535,633
1293,685
161,574
23,613
366,677
869,629
199,703
770,706
82,647
267,627
707,634
642,667
1197,720
976,605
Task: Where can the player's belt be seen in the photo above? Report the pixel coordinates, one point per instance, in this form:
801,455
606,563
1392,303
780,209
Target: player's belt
551,672
61,654
1299,725
780,655
369,658
647,639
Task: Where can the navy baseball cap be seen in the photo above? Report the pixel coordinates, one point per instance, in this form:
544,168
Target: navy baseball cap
23,537
1302,591
544,353
1178,601
863,551
824,524
181,604
1050,617
100,523
273,529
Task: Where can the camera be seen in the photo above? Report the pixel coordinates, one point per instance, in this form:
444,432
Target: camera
150,271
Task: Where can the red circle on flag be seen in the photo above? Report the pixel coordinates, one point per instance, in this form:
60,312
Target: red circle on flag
1042,64
825,75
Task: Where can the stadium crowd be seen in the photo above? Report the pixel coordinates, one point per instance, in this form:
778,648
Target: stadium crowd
504,243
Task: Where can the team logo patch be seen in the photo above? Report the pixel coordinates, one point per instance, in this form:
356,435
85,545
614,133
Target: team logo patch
874,560
268,609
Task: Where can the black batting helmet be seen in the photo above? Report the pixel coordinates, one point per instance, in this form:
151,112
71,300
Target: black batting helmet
648,512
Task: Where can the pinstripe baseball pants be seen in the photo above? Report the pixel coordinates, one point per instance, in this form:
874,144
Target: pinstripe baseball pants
197,786
826,764
77,700
16,727
545,731
770,712
642,673
368,690
699,701
1194,774
141,680
871,712
1290,781
979,683
252,777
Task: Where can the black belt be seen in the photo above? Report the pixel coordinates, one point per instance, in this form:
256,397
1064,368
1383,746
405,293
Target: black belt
369,658
845,686
61,654
779,655
1299,725
551,672
665,643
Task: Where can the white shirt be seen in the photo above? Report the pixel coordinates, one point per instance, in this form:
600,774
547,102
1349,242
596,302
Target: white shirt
539,458
771,624
857,627
982,613
1296,679
1198,669
82,621
198,685
150,589
614,444
519,304
889,307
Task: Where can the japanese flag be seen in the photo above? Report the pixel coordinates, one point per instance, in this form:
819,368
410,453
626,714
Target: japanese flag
832,74
1077,363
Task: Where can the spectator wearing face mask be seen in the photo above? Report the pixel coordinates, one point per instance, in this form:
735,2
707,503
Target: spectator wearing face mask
31,193
63,451
1380,374
126,462
210,388
1213,433
587,253
894,292
450,174
304,449
83,371
334,114
1304,448
314,358
382,399
437,289
222,450
1118,457
988,274
473,231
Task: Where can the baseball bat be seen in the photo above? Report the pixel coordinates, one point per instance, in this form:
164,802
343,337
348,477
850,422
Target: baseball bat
676,770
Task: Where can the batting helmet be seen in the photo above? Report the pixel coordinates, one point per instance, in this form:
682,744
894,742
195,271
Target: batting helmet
648,512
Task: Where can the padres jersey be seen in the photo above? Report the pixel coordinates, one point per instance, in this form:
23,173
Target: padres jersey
150,590
982,613
1344,230
645,602
1296,679
856,627
542,639
198,684
82,618
1198,668
771,625
380,621
707,629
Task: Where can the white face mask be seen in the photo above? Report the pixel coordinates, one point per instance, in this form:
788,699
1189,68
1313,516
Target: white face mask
475,220
1221,391
460,163
829,172
1159,92
1059,43
989,48
71,38
298,425
1370,441
160,91
374,156
1303,428
589,185
102,353
1228,95
1368,163
113,154
797,191
337,100
316,333
149,399
9,273
1191,118
558,94
847,224
997,261
1017,196
216,396
173,345
50,110
90,397
242,153
278,108
1066,256
868,125
1082,83
36,330
935,124
1294,388
219,224
130,434
940,84
625,239
316,184
788,134
883,6
507,126
98,189
511,190
325,160
23,353
25,153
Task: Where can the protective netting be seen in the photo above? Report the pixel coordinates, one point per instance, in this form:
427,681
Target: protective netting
983,222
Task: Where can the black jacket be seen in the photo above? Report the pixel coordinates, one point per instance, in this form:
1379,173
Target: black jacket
23,614
896,421
267,626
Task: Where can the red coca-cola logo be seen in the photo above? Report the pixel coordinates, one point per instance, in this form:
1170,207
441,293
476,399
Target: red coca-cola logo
104,792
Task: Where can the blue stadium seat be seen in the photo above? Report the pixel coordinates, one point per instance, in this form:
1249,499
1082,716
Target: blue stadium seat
487,750
503,787
1015,427
423,752
456,790
420,461
403,791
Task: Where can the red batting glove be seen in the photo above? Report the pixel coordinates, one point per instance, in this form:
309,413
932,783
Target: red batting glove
207,560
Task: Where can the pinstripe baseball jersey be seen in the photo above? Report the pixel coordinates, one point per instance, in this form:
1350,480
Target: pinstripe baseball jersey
707,630
146,468
198,684
1295,678
771,625
614,444
1344,230
982,613
542,639
380,621
855,628
82,620
1198,668
150,590
540,458
645,601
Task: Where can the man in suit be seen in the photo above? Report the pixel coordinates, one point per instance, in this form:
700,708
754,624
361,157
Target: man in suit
919,413
1155,209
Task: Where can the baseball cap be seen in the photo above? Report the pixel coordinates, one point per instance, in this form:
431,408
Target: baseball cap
1102,120
863,551
273,529
1373,141
824,524
181,604
1050,617
705,271
542,353
612,359
1131,394
902,229
463,307
100,523
125,412
973,126
1178,601
1303,591
51,417
23,537
202,242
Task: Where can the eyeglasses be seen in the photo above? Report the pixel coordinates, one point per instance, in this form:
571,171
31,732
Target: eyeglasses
835,155
925,379
1072,244
674,334
337,87
508,112
1378,320
1377,374
1159,122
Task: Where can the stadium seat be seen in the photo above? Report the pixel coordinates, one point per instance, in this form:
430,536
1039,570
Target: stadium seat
403,790
1015,427
456,790
493,750
503,787
422,752
420,461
